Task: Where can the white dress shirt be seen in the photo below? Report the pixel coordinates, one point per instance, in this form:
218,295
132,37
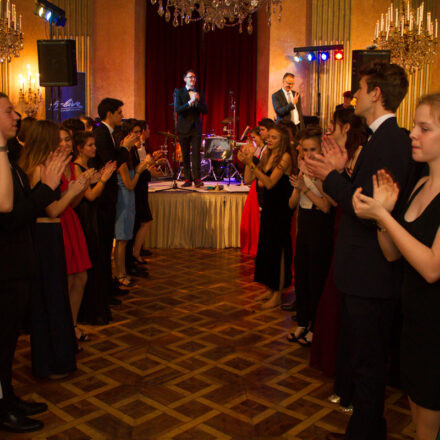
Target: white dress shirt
294,115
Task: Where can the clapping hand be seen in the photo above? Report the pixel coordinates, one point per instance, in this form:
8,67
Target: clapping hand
53,167
385,193
334,153
107,170
129,141
81,184
298,181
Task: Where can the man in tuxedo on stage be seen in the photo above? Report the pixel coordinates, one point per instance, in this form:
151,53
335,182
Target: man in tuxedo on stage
110,112
287,103
189,104
367,282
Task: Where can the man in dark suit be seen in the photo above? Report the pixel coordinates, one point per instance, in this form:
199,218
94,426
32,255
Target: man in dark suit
17,268
189,104
110,112
287,103
368,283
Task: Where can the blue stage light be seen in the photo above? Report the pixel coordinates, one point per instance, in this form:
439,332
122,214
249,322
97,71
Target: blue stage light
324,56
297,58
311,57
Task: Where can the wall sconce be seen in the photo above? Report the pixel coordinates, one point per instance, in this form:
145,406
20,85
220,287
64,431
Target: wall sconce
29,96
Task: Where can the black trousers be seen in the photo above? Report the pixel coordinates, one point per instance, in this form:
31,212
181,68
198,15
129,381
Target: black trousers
13,301
311,264
191,142
107,218
366,324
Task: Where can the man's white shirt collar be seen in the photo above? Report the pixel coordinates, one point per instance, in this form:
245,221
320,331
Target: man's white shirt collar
380,120
111,129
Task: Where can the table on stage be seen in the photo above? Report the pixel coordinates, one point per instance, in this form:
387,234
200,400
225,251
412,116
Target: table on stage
195,218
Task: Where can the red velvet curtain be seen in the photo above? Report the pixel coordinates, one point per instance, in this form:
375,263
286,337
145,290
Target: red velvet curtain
224,61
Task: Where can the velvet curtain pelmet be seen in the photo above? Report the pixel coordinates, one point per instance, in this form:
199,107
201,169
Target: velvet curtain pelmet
224,61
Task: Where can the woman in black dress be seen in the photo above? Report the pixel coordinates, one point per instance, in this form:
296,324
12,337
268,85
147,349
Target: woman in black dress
416,237
94,308
274,253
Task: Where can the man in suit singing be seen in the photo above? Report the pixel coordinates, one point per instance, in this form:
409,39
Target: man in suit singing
368,283
287,103
189,104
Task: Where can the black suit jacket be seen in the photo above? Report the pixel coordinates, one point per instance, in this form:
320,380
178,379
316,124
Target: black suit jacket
17,255
283,108
188,118
107,151
360,267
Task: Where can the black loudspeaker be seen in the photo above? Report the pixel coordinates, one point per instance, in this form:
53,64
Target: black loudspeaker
362,57
57,62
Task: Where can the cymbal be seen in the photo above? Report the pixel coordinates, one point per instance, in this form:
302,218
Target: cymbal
228,120
167,134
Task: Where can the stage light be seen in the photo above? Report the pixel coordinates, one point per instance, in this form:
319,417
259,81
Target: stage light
339,55
324,56
50,12
297,58
311,57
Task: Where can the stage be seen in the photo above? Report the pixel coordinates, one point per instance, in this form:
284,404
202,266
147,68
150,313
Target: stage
195,218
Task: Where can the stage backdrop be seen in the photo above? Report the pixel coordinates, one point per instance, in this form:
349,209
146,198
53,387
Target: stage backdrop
224,61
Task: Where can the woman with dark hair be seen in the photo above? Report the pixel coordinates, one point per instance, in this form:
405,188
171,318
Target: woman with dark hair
94,308
74,125
250,217
129,175
274,254
349,131
52,332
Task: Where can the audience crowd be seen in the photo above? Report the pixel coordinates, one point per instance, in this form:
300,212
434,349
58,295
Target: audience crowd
331,212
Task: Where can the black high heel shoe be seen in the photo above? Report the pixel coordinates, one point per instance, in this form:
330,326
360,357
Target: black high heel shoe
292,338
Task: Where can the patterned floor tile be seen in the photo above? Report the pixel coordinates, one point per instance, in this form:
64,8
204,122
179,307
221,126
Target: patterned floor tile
190,356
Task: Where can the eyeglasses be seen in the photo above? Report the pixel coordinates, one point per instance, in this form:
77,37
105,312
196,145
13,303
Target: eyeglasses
191,76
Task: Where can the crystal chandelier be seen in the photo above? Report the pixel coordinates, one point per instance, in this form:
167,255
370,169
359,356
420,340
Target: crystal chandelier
216,13
29,96
11,37
411,39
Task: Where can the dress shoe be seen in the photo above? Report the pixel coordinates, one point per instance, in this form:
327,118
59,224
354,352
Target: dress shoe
112,301
146,253
187,183
334,436
15,421
138,272
117,291
29,408
334,398
289,307
198,183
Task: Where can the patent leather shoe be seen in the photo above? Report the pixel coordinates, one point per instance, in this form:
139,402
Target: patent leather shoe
29,408
15,421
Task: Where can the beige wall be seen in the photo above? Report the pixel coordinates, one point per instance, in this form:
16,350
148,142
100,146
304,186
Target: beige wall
118,54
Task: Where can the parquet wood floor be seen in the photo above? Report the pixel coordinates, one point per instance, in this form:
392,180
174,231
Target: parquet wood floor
189,356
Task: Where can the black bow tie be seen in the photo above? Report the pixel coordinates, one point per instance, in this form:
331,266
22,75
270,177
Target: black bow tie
191,90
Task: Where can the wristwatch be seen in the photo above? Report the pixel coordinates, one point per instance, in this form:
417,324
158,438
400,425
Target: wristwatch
4,149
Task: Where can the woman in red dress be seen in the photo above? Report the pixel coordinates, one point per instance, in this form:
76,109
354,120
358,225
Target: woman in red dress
250,217
75,246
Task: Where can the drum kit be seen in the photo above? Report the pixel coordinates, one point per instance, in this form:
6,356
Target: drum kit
218,153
